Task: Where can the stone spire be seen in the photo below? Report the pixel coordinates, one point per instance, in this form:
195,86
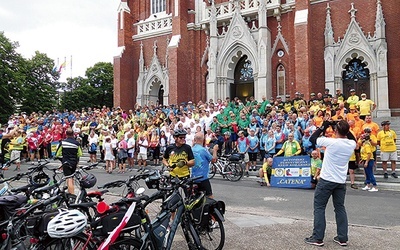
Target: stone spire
237,5
141,58
353,11
380,23
329,39
155,48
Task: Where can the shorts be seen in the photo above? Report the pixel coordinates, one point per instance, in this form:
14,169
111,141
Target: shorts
33,151
234,136
122,161
353,165
131,155
253,156
389,156
68,169
246,157
15,155
205,186
142,156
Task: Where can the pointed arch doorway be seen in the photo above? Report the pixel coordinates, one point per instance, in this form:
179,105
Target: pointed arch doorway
356,76
156,93
243,85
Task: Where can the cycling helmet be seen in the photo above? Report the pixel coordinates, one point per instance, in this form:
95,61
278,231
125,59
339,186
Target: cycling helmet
153,181
67,224
178,132
40,179
88,181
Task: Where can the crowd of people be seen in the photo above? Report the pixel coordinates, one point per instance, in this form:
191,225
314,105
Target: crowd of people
256,129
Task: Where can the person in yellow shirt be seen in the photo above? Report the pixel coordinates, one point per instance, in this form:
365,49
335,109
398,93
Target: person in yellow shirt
366,106
387,142
265,172
353,98
367,160
290,148
178,157
315,106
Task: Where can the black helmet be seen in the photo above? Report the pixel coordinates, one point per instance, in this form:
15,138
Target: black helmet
39,180
153,180
178,132
385,123
88,181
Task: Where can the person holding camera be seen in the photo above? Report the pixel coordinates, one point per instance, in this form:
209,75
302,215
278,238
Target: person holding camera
332,181
367,161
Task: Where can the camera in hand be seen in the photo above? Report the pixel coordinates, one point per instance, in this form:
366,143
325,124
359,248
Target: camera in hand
365,137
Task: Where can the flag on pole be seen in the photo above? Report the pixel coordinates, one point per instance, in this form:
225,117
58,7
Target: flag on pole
55,69
62,66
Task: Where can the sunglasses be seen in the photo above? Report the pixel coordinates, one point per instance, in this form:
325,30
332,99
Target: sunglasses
182,137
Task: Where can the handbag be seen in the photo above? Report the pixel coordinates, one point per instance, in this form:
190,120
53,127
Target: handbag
93,147
122,153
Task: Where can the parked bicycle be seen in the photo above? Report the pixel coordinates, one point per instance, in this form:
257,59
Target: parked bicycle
228,167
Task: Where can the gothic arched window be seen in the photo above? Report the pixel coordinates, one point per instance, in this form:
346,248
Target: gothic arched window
244,68
157,6
355,70
280,80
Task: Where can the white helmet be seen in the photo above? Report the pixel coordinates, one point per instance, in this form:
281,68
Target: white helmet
67,224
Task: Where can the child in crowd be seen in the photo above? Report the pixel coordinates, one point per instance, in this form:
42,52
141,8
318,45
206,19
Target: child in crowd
367,160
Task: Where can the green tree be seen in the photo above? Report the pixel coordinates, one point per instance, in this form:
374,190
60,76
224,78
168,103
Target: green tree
101,78
11,76
95,90
40,86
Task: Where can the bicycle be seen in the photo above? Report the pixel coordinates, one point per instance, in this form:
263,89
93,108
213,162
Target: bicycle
227,168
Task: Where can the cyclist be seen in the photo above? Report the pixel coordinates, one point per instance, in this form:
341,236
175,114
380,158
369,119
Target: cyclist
178,157
70,151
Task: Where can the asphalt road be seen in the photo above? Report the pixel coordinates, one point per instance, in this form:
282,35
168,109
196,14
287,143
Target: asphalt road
261,217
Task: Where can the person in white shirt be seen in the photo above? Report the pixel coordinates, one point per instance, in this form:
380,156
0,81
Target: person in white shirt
332,180
93,143
142,155
189,137
131,150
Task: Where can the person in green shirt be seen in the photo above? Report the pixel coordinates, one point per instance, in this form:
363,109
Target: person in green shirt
316,165
243,123
215,124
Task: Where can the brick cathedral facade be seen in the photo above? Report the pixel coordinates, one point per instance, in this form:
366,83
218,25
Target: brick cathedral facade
173,51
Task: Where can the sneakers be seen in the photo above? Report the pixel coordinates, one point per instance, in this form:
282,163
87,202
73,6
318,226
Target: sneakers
385,175
247,174
373,189
366,188
394,175
341,243
354,186
314,242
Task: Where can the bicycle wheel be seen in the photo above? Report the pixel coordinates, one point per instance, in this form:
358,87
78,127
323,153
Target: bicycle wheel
213,236
126,244
191,236
211,172
78,242
234,171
